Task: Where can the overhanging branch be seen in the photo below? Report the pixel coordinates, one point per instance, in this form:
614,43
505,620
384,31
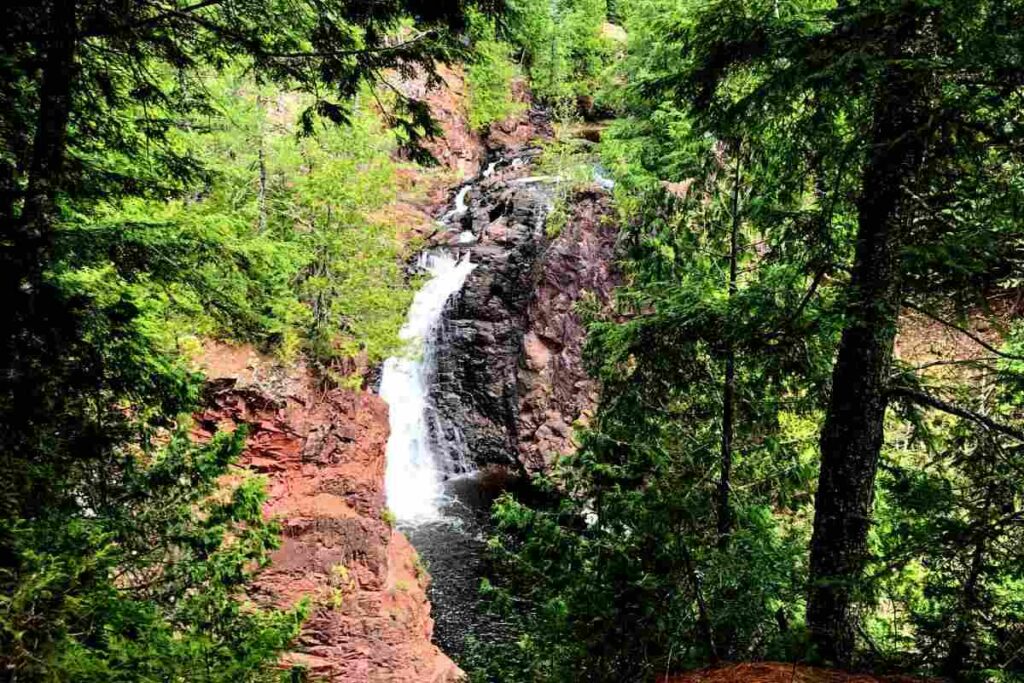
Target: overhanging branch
924,399
964,331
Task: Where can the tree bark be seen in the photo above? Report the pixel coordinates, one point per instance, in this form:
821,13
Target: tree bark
729,383
852,436
34,231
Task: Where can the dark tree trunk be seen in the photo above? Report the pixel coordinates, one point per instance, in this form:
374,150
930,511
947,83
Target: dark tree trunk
729,383
34,231
262,162
970,603
851,438
703,617
960,648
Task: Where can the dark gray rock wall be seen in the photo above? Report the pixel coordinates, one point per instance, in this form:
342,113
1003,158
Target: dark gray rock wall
554,388
475,397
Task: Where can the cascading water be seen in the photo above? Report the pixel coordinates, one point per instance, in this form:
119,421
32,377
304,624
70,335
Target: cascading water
413,479
435,493
440,500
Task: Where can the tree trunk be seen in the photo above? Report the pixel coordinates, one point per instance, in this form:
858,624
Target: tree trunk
703,618
34,232
729,383
851,438
262,162
970,604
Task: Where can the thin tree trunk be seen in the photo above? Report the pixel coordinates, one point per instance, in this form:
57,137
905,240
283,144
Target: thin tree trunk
960,648
262,199
262,161
34,232
729,384
703,617
851,438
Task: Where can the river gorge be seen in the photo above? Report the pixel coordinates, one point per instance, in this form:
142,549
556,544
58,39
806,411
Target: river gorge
384,492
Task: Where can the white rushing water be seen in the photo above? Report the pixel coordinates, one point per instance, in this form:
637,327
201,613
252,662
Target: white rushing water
413,478
460,206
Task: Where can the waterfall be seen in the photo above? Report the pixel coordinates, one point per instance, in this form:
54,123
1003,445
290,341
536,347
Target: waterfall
460,207
413,478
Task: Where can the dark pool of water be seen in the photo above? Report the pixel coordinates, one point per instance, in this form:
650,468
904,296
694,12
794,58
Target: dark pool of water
454,552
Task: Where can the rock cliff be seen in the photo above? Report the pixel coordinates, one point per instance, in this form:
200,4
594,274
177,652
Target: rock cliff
475,391
322,453
510,380
553,387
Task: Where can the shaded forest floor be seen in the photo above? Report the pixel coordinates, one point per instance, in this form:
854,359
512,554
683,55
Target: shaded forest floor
779,672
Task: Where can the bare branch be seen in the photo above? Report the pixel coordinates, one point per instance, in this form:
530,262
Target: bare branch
964,331
921,398
964,361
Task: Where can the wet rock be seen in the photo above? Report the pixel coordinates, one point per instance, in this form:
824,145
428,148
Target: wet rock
481,338
510,381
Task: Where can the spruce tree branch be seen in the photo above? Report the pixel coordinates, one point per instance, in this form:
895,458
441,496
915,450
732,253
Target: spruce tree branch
924,399
149,21
346,53
964,331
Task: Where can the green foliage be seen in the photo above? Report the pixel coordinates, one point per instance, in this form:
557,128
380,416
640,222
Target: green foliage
948,546
613,573
763,116
568,159
563,45
281,248
146,585
489,76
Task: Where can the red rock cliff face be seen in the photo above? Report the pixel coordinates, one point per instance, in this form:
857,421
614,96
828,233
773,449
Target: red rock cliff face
553,386
323,456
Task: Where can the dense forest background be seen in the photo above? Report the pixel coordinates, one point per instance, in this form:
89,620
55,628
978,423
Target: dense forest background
798,183
766,478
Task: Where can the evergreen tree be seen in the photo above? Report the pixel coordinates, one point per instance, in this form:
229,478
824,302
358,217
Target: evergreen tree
880,173
117,561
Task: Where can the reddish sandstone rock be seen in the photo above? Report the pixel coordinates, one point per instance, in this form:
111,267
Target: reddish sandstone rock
780,672
554,388
323,455
459,147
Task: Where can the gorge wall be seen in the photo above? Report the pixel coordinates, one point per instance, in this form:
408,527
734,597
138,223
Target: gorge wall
322,453
553,388
511,381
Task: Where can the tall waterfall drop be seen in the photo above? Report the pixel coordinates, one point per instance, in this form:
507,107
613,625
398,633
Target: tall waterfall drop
413,478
